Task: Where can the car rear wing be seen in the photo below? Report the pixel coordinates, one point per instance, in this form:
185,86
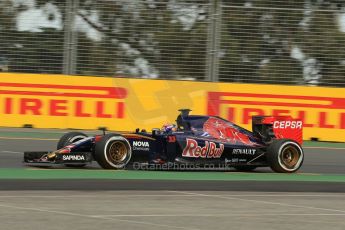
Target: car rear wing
278,127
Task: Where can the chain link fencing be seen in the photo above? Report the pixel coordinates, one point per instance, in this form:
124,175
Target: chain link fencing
253,41
289,42
31,36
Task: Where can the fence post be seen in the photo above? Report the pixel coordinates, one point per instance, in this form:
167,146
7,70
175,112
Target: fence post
213,40
70,40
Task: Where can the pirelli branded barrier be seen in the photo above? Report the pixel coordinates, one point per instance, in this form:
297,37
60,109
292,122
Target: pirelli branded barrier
55,101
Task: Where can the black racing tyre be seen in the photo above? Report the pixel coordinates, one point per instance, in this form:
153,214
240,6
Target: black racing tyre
70,138
113,151
285,156
245,168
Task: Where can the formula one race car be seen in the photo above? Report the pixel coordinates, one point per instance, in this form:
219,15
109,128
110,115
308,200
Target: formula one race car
195,141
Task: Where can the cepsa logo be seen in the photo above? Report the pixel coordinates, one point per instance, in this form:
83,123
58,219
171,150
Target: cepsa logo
63,100
287,124
312,111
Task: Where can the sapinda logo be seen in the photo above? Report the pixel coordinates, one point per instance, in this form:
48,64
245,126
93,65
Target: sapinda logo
63,100
73,157
209,150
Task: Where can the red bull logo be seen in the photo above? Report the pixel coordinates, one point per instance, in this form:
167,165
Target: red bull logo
210,149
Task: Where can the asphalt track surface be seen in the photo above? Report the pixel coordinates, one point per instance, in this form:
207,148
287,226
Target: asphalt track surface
323,160
170,210
318,159
294,203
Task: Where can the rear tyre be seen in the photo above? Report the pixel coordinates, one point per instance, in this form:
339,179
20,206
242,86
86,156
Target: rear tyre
68,139
245,168
113,151
285,156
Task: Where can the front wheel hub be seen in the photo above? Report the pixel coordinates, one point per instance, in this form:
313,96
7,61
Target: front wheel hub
117,152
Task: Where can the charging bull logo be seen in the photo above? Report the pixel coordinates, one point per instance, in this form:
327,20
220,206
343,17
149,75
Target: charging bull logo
222,130
210,149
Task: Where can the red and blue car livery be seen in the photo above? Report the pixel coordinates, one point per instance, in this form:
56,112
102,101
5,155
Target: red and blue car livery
196,141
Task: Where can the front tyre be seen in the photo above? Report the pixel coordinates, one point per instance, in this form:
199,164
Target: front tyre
113,151
68,139
285,156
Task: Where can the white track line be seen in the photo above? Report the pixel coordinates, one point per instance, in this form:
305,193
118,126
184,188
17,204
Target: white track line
29,138
93,196
320,147
5,151
225,215
168,195
163,226
259,201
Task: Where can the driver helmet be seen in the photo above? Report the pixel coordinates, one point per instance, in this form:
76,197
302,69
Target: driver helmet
169,128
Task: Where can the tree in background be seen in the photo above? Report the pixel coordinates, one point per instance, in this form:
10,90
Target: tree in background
27,46
262,41
145,38
291,42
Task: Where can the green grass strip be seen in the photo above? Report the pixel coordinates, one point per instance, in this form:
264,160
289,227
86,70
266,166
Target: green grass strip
32,173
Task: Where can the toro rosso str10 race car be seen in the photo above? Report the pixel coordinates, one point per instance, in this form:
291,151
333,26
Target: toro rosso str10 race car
194,140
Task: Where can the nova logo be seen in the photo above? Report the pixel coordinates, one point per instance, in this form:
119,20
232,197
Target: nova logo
141,145
73,158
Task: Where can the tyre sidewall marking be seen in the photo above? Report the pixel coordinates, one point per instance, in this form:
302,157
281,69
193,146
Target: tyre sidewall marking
117,138
299,160
73,139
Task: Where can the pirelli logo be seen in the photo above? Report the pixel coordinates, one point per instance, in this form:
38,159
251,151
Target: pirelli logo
314,111
62,100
